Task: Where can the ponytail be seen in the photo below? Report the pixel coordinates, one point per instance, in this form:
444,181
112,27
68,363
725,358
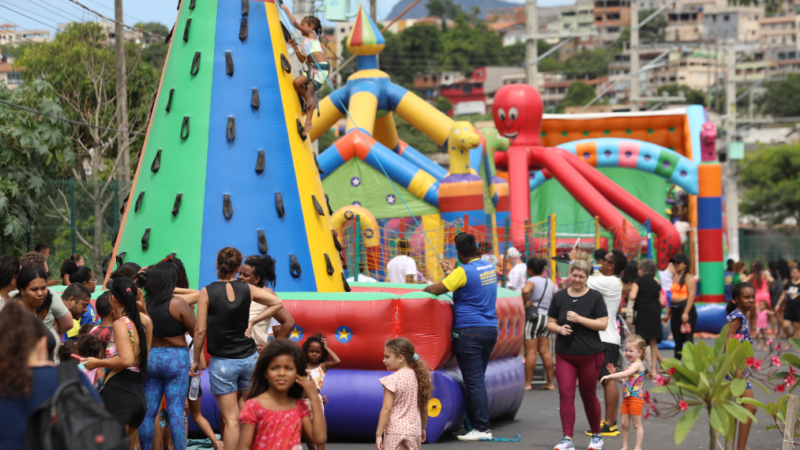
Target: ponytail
402,346
125,290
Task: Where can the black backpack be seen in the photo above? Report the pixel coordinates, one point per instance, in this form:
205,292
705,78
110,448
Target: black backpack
72,419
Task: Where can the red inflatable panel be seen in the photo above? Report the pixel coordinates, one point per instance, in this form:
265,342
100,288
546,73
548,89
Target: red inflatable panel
711,250
511,326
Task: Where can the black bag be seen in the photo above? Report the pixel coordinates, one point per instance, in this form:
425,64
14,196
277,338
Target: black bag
72,419
532,312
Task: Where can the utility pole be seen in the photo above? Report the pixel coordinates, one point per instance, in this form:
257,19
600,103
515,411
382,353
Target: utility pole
373,10
729,167
634,67
531,30
122,95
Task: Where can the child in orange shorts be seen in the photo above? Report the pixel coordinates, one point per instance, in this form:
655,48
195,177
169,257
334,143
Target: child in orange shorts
632,379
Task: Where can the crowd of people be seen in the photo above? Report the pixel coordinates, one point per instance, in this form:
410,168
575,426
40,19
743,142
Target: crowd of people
143,341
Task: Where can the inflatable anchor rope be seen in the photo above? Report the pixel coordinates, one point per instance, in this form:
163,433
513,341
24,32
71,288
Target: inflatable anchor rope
291,35
516,438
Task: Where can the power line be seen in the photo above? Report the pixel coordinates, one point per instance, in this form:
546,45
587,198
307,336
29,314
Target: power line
46,5
31,18
118,23
112,9
20,36
74,122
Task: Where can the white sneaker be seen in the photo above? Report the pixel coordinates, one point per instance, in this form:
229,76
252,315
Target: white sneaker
565,444
476,435
596,443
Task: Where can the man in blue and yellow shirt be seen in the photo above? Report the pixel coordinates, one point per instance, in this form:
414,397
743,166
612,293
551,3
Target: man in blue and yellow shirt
474,287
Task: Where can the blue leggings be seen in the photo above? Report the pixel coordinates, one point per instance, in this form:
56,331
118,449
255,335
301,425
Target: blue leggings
167,374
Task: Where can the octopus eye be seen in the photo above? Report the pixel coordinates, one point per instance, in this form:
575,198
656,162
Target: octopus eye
501,114
513,113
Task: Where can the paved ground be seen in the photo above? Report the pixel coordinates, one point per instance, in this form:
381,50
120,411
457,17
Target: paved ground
539,424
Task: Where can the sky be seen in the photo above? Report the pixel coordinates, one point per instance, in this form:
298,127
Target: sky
47,14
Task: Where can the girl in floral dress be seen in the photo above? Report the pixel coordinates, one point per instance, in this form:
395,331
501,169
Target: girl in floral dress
743,300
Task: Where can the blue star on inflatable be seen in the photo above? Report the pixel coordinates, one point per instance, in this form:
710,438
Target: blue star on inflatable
355,182
368,233
390,199
297,334
343,334
356,203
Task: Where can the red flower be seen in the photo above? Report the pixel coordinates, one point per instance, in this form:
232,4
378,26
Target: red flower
757,365
791,370
672,371
776,361
683,406
769,342
646,414
781,388
778,347
790,380
750,362
738,336
662,381
647,396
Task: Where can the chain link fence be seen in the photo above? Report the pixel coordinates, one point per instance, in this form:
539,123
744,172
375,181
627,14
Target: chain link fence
768,246
79,217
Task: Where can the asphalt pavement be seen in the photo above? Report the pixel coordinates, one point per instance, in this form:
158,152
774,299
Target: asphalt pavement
539,424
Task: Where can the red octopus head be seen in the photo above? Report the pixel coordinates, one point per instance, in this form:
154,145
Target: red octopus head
517,113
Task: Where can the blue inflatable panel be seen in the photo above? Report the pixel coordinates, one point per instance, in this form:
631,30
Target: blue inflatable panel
666,345
505,384
208,406
710,318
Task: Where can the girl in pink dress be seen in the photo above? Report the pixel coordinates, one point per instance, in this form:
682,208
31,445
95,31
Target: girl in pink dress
274,413
406,393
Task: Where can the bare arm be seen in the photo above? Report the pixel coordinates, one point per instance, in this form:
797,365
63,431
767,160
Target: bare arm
386,413
599,324
436,289
271,301
692,288
190,295
526,293
247,432
633,292
124,358
287,323
297,24
178,306
64,323
637,367
200,331
423,415
733,327
334,361
316,427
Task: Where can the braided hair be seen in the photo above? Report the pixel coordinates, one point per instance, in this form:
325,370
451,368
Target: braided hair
315,24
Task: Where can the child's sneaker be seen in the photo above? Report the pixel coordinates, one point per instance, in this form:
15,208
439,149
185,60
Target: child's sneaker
597,442
565,444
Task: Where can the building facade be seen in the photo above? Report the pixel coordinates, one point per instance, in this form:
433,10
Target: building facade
741,23
12,36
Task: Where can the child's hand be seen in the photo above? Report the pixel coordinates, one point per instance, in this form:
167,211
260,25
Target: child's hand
324,399
308,386
424,435
603,380
324,343
379,442
611,369
90,363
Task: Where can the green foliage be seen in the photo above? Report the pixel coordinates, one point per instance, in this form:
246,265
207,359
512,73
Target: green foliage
578,94
155,53
33,149
416,50
443,104
771,177
588,63
414,137
783,97
653,31
693,96
551,65
469,45
16,51
698,383
444,10
326,140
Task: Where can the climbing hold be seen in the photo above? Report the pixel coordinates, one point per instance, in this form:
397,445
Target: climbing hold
177,206
124,203
294,267
245,7
336,242
169,36
138,202
120,259
279,204
262,242
243,29
227,207
287,36
328,201
317,206
328,264
186,30
195,64
156,162
169,102
319,169
300,129
255,100
229,63
230,132
285,64
179,4
146,239
185,127
346,285
191,4
260,162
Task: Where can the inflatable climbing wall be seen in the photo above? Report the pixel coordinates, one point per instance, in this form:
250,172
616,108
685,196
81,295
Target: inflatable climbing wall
223,162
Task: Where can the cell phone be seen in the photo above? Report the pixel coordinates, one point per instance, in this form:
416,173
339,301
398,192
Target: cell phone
577,241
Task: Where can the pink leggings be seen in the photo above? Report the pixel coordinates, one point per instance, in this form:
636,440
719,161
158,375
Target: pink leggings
570,368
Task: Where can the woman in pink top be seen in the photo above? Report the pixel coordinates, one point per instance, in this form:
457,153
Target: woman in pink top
405,398
274,415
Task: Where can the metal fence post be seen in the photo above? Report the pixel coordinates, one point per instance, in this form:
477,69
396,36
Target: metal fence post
649,239
73,227
356,267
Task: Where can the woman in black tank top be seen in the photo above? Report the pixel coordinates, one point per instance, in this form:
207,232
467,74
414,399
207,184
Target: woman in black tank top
168,361
223,308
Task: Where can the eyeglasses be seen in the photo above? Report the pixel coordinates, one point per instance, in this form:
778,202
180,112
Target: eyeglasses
47,274
608,261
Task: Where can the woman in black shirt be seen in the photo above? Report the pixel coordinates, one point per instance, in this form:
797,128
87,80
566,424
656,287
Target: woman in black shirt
577,315
648,304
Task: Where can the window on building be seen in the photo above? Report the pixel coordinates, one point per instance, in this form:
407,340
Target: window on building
726,18
14,78
612,16
562,90
671,79
612,29
791,55
781,56
598,18
467,89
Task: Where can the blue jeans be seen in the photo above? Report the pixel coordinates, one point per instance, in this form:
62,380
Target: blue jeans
472,347
227,376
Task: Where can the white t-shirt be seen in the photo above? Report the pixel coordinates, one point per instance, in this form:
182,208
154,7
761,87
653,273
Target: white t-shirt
363,279
272,324
517,277
683,229
399,267
611,289
666,279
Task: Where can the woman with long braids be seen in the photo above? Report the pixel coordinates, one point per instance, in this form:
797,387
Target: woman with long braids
125,366
29,376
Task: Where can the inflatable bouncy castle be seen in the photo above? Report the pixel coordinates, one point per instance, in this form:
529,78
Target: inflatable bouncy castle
224,164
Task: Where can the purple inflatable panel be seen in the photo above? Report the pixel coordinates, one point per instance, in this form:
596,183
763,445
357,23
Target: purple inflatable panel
208,406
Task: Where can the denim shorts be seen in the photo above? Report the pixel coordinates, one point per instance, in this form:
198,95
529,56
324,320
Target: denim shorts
227,376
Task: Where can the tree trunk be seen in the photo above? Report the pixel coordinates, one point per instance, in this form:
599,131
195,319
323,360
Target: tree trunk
98,224
712,444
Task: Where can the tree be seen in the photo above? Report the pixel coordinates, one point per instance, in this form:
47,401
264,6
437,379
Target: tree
588,63
693,96
783,97
771,177
444,105
155,53
469,45
578,94
653,31
444,10
414,51
81,67
33,149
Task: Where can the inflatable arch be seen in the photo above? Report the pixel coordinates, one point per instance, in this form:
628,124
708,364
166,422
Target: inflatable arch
370,231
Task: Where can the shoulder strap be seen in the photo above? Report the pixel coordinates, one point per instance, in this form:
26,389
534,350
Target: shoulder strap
67,371
544,291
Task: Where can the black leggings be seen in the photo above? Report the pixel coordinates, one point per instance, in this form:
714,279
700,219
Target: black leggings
676,311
